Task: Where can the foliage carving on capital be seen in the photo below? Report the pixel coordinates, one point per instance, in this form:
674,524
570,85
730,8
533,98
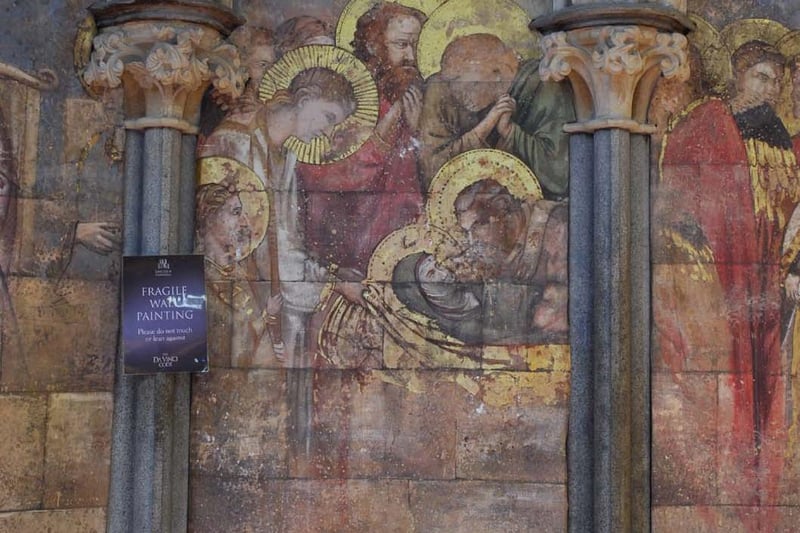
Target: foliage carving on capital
671,48
618,50
111,52
168,65
556,63
613,70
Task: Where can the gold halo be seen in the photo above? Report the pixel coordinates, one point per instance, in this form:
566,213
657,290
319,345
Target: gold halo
346,25
255,200
789,45
457,18
405,241
713,53
741,31
473,166
358,126
772,32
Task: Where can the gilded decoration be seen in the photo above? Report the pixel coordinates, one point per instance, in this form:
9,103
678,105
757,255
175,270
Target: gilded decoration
402,211
442,262
243,182
348,136
469,168
459,18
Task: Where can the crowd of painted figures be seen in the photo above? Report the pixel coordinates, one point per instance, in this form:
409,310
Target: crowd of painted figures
356,196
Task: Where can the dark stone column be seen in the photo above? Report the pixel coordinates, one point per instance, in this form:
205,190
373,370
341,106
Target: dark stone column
613,55
150,447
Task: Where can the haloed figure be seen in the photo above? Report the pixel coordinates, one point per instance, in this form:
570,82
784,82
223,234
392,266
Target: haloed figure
742,134
484,97
376,190
223,231
519,249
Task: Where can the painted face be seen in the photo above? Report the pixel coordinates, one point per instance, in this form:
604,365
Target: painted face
261,58
760,84
230,227
316,117
491,228
429,271
400,40
480,84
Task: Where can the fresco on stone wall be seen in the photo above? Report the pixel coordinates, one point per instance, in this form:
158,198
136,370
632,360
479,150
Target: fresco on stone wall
8,225
386,209
357,157
49,238
726,279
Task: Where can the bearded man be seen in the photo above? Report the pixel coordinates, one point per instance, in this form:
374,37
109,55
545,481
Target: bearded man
377,189
510,285
732,165
518,249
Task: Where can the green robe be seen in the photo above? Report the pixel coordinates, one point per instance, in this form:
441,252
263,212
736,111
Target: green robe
537,136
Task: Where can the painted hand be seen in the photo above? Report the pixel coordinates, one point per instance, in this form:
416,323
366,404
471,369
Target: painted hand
100,237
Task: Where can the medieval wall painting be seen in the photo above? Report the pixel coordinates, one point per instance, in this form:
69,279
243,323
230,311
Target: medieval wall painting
54,231
385,228
54,384
725,284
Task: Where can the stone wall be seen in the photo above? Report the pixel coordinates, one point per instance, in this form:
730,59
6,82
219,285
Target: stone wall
389,414
61,184
392,401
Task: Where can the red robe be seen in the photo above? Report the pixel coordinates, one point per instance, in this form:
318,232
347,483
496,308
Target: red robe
352,204
714,182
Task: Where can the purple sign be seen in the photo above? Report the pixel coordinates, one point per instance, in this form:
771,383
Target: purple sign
164,314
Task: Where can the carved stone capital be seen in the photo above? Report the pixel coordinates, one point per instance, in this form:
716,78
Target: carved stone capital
613,71
164,69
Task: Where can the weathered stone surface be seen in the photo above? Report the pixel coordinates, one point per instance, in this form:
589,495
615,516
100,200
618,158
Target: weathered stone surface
239,423
684,439
78,450
486,507
519,437
357,506
733,519
220,323
299,506
234,504
251,344
59,251
67,335
23,419
383,423
55,521
53,222
735,458
789,487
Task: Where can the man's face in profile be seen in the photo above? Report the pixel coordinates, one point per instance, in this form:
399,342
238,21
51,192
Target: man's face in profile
231,228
